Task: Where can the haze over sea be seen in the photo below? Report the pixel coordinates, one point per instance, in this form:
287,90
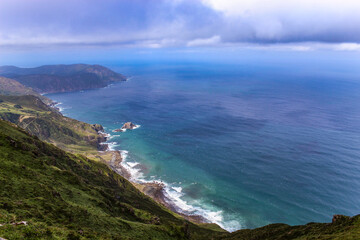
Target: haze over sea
271,137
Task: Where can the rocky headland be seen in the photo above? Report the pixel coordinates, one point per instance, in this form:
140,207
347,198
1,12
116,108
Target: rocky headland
62,78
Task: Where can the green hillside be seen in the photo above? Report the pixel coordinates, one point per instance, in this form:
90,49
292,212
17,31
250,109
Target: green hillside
12,87
63,196
342,228
30,113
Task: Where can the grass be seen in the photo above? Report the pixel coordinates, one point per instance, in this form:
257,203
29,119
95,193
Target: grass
30,113
63,196
344,228
13,87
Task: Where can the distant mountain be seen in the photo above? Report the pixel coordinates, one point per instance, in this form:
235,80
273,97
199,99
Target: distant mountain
62,78
12,87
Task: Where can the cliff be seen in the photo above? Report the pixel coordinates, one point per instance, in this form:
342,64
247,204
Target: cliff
62,78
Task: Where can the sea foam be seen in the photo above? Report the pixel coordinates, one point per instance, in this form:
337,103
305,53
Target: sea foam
173,192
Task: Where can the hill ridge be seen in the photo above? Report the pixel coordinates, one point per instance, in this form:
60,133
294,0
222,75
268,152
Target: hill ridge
62,77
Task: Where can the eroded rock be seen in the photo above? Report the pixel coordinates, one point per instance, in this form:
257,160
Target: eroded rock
128,125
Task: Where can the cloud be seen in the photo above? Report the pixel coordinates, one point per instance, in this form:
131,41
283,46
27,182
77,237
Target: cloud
348,47
290,21
104,22
204,41
174,23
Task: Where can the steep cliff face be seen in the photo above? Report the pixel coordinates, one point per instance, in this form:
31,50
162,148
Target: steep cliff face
62,78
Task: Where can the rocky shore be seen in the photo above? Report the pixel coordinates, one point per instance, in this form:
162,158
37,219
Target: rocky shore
155,190
115,164
102,137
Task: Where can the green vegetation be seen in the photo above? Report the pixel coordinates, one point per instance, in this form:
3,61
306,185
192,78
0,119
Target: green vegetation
12,87
30,113
342,228
63,196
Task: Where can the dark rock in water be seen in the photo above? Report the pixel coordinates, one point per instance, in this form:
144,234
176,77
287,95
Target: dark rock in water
118,130
128,125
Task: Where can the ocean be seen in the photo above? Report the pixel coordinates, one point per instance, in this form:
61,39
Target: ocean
248,143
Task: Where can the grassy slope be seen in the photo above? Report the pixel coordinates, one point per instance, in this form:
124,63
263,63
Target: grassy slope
49,125
65,196
12,87
344,228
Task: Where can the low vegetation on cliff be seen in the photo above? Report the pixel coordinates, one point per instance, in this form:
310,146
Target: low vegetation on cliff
60,195
45,122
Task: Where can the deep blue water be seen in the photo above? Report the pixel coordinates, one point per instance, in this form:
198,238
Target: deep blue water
249,144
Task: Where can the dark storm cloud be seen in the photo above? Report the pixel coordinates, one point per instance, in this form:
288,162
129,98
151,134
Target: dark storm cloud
166,23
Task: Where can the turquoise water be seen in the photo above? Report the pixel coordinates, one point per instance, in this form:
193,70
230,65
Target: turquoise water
243,144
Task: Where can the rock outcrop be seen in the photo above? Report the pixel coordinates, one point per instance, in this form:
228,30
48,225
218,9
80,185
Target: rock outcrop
128,125
118,130
98,127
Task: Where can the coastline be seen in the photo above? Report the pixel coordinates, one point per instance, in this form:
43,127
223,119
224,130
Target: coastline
154,189
115,159
162,192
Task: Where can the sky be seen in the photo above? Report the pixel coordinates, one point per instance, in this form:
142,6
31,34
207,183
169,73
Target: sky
186,25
